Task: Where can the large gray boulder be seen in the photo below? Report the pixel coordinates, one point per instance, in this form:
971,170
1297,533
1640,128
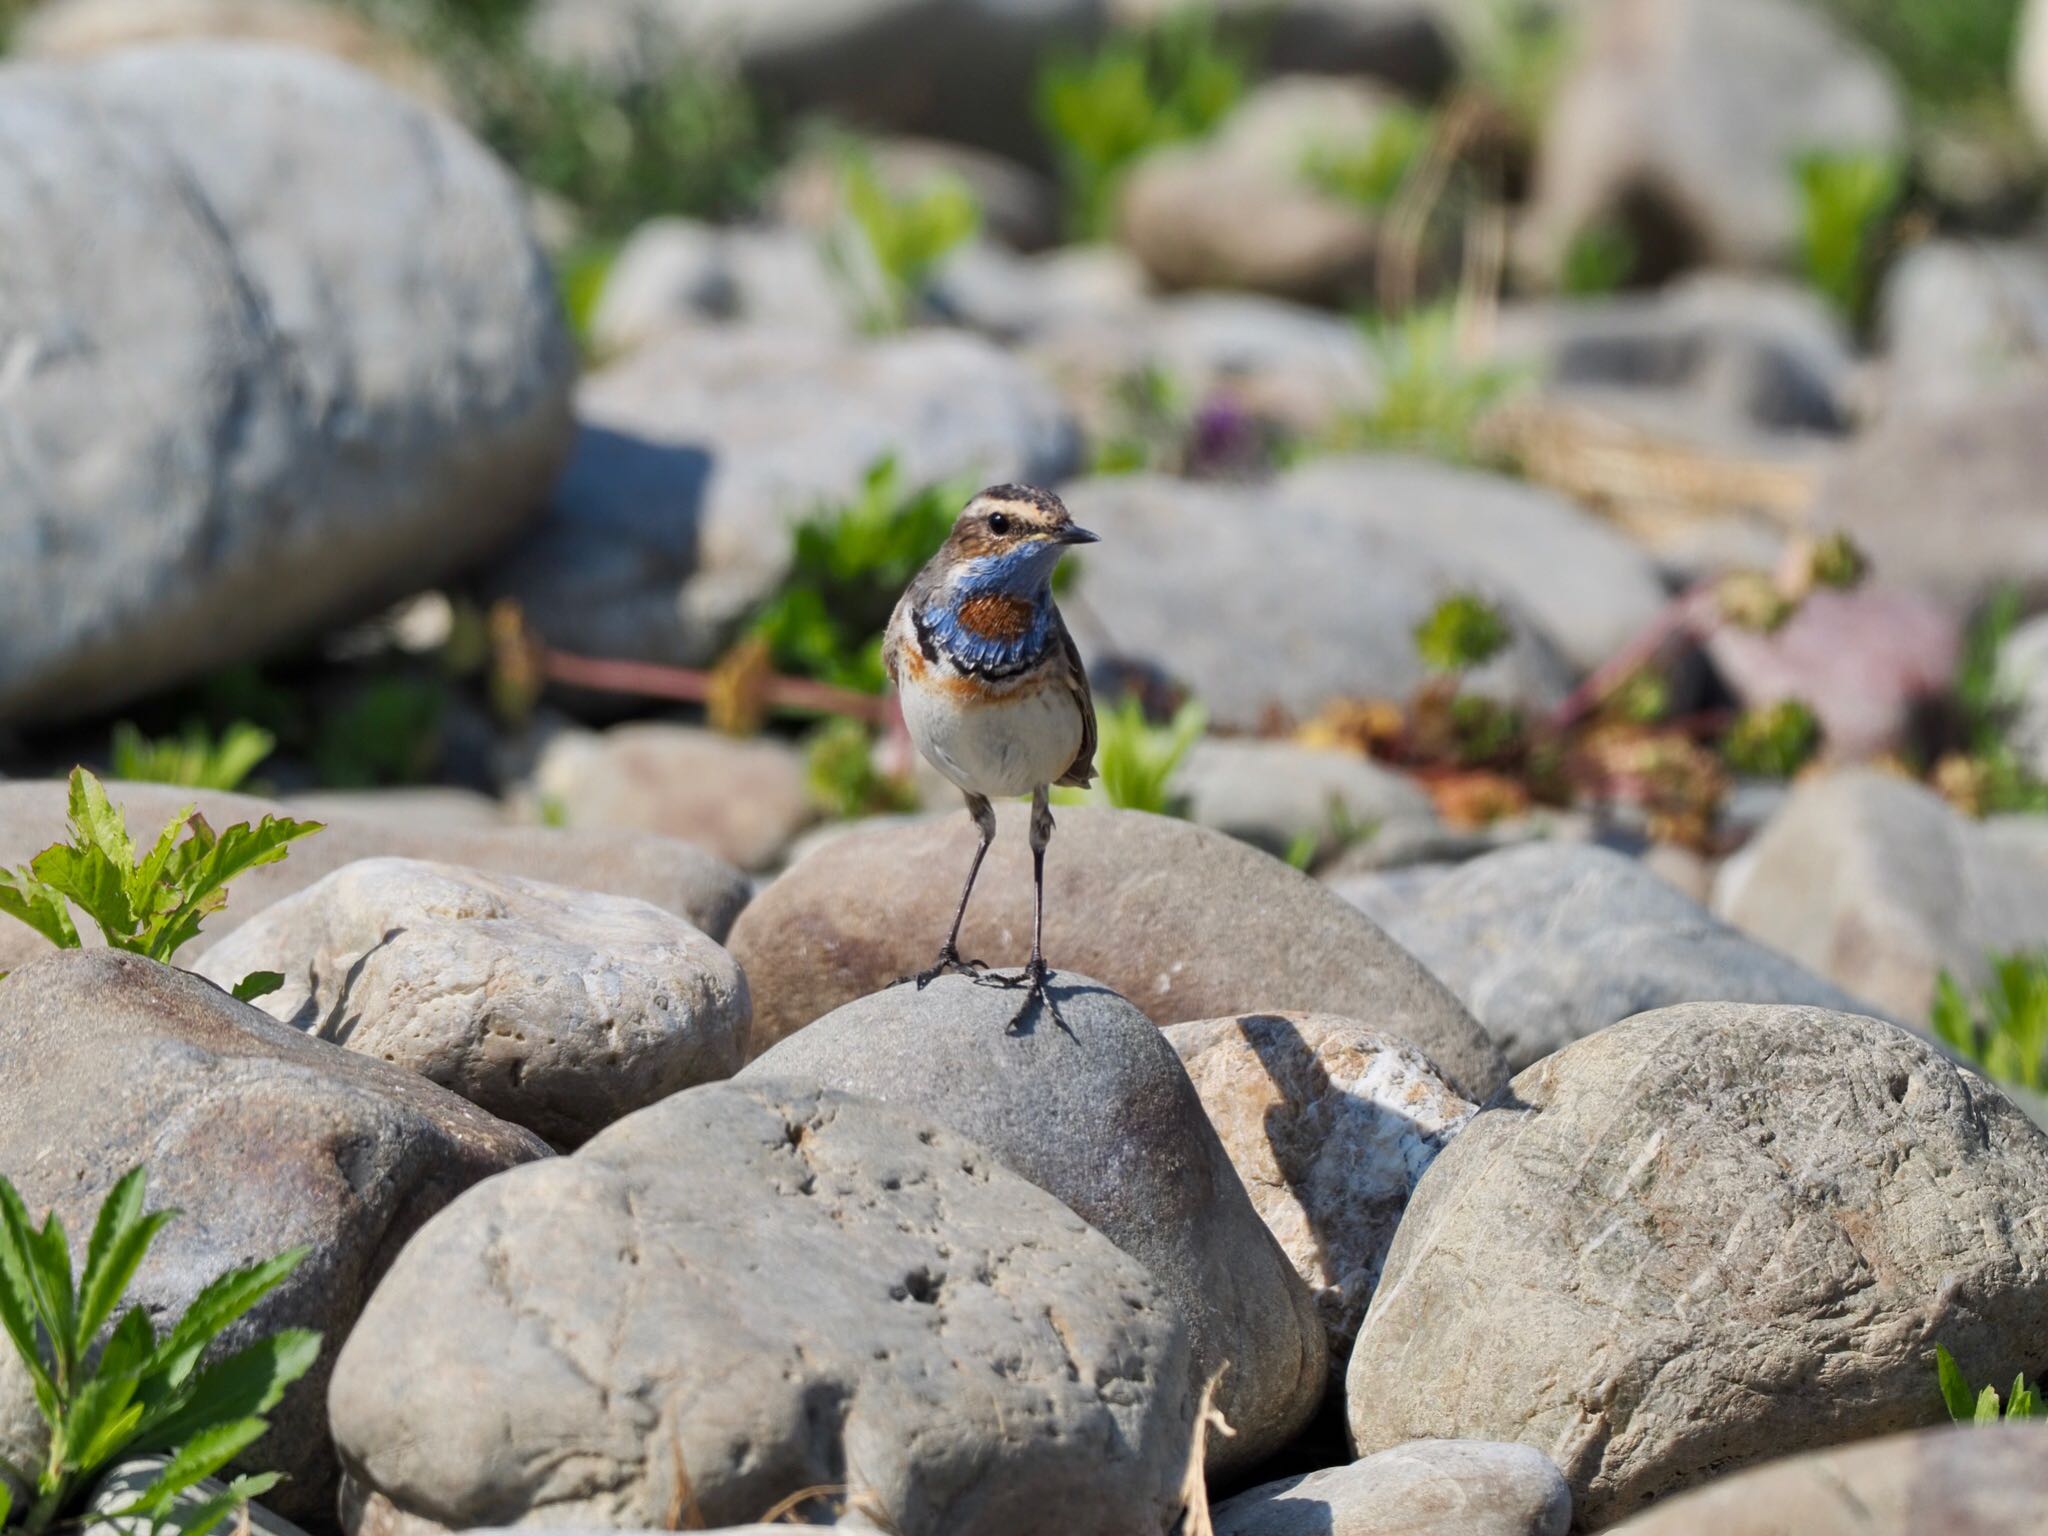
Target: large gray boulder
765,1288
1298,602
743,800
1274,794
1185,922
1878,884
699,452
1588,589
1095,1109
559,1010
1947,500
674,876
1693,114
1548,942
263,1138
283,349
1239,209
1707,1236
1329,1124
1960,318
1968,1479
1428,1488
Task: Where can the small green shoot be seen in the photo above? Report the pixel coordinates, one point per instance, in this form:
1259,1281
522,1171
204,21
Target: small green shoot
2006,1030
904,237
1462,632
1140,90
1845,201
848,567
193,758
1984,1407
580,275
1136,760
1999,779
150,903
1774,741
1432,395
840,771
1370,174
142,1392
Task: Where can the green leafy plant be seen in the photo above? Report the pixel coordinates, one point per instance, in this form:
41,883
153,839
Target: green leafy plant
1371,174
1774,741
1175,80
839,768
1600,259
1984,1407
580,274
848,566
387,730
2006,1030
1947,53
1845,200
1136,759
1516,52
1989,777
149,903
143,1392
194,757
1462,632
904,238
1432,397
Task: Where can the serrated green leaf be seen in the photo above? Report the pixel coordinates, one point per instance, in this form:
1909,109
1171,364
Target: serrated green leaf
1955,1392
96,885
129,1346
28,900
146,889
257,984
18,1309
99,1416
248,1383
220,1304
96,824
204,1454
201,1518
201,878
54,1264
24,1248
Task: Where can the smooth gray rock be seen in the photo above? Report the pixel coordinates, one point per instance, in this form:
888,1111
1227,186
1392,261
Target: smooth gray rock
1967,1479
2022,685
1878,884
263,1138
1185,922
1329,1124
676,272
1100,1115
1957,318
1707,1236
1699,110
674,876
1742,350
1273,793
1549,942
2030,67
1301,368
1948,501
959,69
1588,589
414,807
342,371
745,801
768,1287
1012,297
1299,604
557,1009
1238,209
700,451
1426,1488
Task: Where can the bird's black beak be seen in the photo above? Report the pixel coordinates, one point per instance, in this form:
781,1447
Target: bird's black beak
1073,535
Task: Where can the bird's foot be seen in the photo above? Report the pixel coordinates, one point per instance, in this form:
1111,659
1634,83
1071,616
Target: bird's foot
1035,981
949,961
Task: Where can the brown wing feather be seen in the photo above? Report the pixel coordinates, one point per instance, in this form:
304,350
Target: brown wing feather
1082,773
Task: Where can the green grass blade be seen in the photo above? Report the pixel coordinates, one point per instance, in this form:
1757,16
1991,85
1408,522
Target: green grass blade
1955,1392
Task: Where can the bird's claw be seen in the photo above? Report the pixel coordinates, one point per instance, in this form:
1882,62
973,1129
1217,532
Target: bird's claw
949,961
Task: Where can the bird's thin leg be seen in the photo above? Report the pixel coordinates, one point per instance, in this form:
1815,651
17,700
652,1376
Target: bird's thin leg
1037,978
949,959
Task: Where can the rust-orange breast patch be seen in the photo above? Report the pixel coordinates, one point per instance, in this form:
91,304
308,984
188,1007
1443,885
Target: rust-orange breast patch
997,616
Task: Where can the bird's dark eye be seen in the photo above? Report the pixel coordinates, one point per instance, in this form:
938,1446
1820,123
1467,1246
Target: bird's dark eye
998,524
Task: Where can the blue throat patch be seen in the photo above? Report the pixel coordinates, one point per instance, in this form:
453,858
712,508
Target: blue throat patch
1023,573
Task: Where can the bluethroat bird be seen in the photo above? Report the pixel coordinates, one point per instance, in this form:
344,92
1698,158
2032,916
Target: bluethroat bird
992,687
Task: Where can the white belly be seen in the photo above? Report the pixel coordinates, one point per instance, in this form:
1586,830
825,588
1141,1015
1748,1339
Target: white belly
1006,748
